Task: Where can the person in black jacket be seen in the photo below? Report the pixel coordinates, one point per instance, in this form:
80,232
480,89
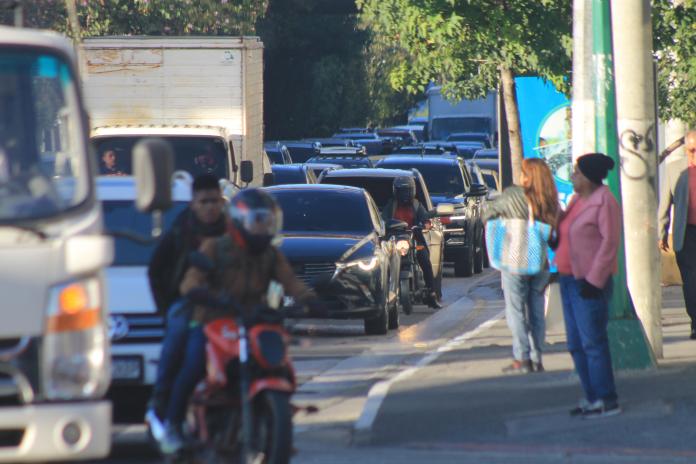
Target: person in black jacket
404,207
203,219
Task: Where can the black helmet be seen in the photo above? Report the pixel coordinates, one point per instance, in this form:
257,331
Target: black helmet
257,216
404,189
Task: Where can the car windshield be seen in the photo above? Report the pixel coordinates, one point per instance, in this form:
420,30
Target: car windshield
121,215
43,160
196,155
275,156
324,211
443,127
442,180
292,175
380,188
490,180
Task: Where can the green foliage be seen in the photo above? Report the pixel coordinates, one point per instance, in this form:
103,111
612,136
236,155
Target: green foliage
148,17
674,33
462,44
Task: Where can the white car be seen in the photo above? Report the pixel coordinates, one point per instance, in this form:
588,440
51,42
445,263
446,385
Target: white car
135,328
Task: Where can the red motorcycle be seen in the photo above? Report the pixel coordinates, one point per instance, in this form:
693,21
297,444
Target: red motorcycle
241,411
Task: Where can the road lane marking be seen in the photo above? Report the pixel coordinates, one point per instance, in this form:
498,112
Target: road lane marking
379,391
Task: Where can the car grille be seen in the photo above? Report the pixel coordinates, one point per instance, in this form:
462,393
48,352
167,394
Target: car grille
11,438
309,271
9,391
142,328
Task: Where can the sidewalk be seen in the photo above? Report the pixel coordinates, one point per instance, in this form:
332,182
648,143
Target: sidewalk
463,404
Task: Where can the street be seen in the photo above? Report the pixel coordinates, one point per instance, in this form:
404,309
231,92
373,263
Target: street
337,364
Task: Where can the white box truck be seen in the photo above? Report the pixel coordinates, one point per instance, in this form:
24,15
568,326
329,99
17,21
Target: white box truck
202,94
446,118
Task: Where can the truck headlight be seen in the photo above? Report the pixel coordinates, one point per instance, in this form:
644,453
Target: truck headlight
402,247
367,264
75,357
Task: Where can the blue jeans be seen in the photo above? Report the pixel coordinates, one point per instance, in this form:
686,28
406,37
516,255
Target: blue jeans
191,372
173,345
586,330
524,312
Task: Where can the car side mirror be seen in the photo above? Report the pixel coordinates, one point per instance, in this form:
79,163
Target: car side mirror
478,190
444,209
247,171
268,179
153,166
395,225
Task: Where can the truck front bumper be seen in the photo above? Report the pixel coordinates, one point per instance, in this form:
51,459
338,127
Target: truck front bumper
55,432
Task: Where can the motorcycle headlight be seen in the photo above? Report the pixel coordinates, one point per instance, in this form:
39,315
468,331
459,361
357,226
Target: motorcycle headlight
75,355
366,264
402,247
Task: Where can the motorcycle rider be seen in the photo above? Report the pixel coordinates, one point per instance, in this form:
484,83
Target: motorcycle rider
244,263
403,206
203,218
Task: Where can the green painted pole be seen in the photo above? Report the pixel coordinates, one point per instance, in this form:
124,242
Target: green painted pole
629,346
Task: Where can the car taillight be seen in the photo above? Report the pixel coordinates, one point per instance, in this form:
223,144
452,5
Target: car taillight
444,220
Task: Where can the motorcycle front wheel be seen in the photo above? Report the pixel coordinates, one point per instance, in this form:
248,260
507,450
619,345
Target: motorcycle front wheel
272,428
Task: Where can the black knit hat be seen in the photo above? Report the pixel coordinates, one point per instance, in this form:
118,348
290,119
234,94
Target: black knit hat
595,166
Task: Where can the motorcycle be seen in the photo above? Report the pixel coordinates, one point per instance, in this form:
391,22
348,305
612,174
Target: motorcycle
241,411
412,289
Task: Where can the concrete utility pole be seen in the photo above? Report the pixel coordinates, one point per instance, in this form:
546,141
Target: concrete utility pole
583,100
629,347
635,104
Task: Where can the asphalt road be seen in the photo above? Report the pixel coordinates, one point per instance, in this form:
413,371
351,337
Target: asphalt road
337,365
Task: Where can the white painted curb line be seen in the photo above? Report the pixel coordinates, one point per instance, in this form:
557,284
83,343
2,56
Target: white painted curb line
379,391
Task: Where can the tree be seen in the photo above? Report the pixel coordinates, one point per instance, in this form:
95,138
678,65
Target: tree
473,46
674,37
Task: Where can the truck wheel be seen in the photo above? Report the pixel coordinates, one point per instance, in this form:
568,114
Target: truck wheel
464,263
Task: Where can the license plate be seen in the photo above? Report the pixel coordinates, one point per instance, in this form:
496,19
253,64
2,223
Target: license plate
127,368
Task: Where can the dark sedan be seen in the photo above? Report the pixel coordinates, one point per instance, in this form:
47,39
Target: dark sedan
292,174
350,251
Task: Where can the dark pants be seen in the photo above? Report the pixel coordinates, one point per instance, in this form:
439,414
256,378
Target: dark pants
191,372
173,346
423,258
586,332
686,259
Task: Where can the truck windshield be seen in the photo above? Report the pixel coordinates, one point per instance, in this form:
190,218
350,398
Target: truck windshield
443,127
196,155
121,215
43,162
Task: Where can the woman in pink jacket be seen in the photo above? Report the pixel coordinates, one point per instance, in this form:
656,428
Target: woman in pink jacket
589,236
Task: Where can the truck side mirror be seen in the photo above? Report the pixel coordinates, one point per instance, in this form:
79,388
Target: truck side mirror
247,171
153,166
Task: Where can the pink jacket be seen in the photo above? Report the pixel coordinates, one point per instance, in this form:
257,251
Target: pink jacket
594,239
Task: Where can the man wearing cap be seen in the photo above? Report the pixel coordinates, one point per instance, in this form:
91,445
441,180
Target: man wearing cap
679,189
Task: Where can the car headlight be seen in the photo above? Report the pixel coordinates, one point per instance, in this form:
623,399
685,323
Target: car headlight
402,246
75,359
366,264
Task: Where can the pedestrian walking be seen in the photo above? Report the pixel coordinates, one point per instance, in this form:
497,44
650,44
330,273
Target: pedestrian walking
589,237
524,293
679,189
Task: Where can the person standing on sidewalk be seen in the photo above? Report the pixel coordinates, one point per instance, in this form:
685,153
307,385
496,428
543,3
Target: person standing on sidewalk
589,237
524,294
679,188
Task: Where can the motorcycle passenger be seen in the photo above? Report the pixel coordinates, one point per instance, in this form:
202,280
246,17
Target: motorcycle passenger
404,207
202,219
244,262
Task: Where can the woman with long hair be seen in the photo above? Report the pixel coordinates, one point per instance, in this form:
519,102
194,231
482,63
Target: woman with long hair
524,294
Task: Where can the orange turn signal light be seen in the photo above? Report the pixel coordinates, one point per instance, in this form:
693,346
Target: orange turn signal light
73,299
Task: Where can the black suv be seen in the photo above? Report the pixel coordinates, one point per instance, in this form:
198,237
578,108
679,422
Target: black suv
449,181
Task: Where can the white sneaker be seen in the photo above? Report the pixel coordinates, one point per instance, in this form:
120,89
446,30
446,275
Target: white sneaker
172,442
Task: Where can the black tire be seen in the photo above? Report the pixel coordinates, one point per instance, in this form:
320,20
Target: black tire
478,256
273,426
378,325
464,263
405,296
393,307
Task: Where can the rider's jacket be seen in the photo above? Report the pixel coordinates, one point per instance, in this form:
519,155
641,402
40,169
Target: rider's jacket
242,275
